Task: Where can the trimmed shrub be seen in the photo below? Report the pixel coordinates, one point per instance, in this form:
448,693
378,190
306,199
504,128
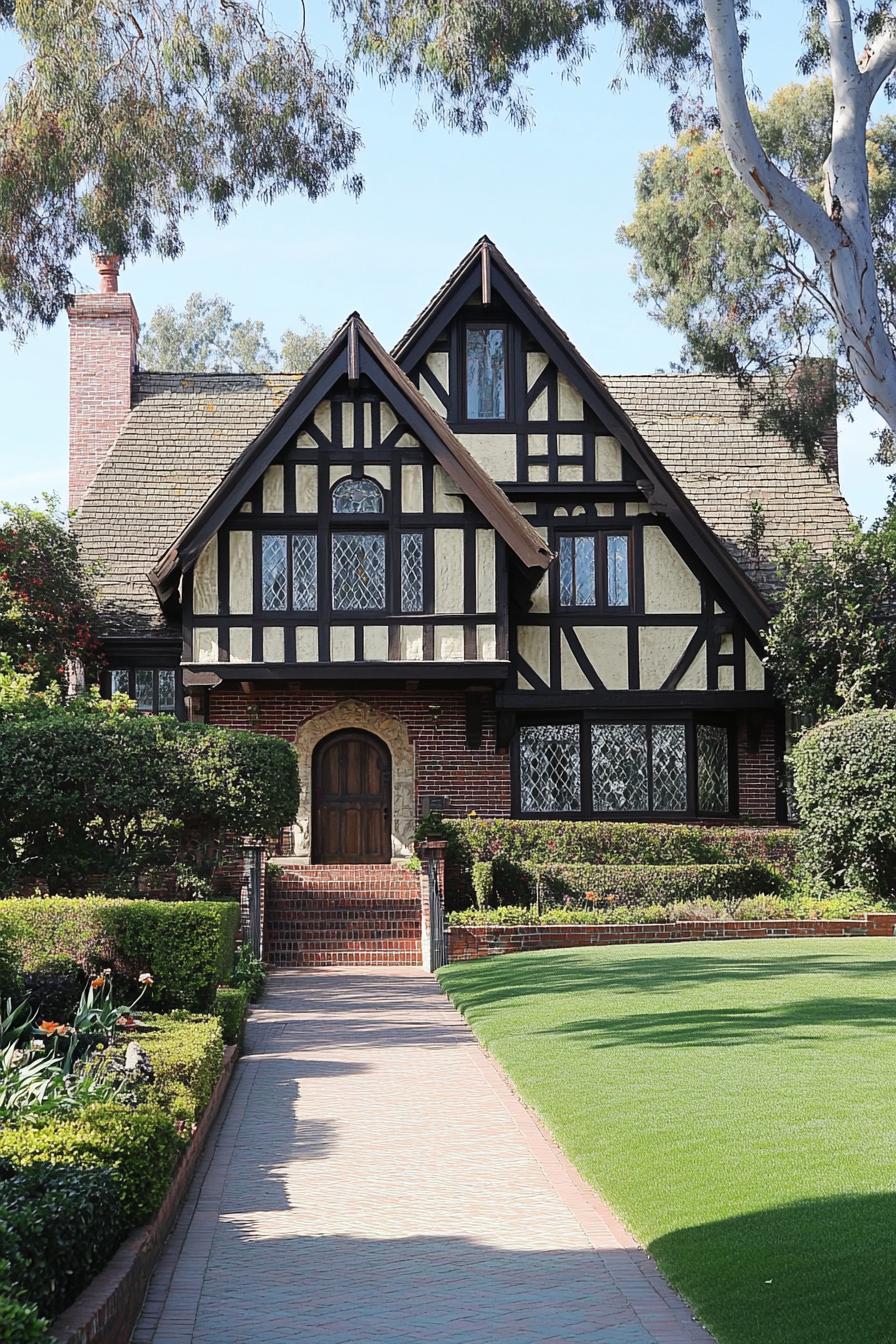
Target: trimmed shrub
230,1010
848,905
139,1147
476,839
844,774
185,1052
634,884
186,945
19,1322
483,878
96,792
58,1227
53,986
248,972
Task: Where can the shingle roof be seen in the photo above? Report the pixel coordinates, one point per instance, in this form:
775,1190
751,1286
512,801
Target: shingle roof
185,431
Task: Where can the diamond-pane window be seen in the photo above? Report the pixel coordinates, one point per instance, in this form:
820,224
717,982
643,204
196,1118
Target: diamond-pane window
359,571
619,765
712,767
304,571
550,768
617,571
120,681
273,573
486,377
143,689
166,691
363,496
669,768
412,571
578,587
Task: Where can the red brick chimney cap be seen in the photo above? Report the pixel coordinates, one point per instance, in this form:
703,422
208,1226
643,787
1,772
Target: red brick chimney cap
107,264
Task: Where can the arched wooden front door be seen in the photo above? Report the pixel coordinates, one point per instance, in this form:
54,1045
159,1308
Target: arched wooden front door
351,798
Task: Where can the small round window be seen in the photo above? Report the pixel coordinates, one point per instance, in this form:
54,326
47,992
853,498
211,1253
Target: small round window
363,496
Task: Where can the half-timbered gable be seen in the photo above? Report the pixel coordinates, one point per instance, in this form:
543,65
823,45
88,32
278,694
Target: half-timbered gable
531,585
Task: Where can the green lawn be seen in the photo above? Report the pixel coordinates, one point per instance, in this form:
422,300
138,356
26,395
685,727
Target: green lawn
735,1103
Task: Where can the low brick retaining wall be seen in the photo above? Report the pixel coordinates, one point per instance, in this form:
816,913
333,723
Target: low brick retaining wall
107,1310
470,942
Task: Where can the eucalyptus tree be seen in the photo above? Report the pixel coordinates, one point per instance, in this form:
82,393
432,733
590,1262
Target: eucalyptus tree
202,337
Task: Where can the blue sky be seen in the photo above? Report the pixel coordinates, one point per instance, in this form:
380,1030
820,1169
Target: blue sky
551,197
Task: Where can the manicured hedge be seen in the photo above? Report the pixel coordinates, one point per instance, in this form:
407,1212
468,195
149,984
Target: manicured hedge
187,946
186,1054
846,905
138,1147
472,839
58,1227
626,884
845,781
21,1323
230,1009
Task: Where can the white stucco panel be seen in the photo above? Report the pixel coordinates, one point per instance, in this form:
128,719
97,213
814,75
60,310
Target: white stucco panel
669,585
659,649
241,573
205,580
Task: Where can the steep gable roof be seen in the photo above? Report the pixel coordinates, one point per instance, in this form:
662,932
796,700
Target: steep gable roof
484,272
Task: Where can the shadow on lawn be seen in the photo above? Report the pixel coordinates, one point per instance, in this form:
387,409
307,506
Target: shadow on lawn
736,1025
815,1272
614,970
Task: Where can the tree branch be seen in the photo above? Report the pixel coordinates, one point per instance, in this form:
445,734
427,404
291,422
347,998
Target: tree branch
760,176
878,61
844,69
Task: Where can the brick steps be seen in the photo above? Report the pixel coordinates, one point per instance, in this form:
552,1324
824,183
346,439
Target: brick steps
341,915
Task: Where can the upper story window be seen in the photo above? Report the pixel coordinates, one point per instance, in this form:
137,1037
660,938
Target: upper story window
363,496
486,372
594,570
289,586
153,688
359,571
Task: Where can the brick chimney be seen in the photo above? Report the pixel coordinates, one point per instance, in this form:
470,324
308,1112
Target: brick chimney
103,331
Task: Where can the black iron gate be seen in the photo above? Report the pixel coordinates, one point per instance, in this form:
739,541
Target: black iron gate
438,945
250,897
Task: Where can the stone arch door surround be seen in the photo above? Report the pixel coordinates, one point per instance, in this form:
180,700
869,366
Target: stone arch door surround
355,714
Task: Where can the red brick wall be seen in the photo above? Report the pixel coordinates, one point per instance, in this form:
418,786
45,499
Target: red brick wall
476,780
470,944
103,331
757,769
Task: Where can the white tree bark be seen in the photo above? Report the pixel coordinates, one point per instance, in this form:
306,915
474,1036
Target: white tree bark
840,235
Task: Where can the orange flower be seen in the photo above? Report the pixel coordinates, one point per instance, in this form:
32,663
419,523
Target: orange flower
54,1028
97,982
590,896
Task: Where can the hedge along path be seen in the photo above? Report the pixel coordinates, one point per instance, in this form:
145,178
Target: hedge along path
374,1182
186,945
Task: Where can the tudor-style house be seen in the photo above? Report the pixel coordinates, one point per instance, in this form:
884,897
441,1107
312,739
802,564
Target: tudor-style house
468,573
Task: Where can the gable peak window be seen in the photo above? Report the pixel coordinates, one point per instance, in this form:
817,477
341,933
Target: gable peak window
486,372
357,496
594,570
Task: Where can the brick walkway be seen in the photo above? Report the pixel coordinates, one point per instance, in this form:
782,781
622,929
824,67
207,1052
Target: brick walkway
372,1180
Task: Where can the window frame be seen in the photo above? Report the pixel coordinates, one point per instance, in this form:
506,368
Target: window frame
131,669
289,611
585,719
384,531
600,536
484,325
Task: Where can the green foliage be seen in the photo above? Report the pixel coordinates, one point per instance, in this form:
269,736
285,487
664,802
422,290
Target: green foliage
230,1009
203,338
47,590
482,876
58,1227
139,1147
187,946
830,643
845,781
472,839
52,986
94,791
789,905
746,293
19,1322
632,884
185,1052
121,123
248,972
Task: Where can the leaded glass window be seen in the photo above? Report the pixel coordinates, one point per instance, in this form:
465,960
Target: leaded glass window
578,580
486,373
669,767
617,570
304,571
120,680
359,571
550,768
619,767
363,496
167,701
712,768
143,689
273,573
412,571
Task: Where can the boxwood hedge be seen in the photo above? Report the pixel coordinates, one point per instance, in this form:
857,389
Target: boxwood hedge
622,884
187,946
